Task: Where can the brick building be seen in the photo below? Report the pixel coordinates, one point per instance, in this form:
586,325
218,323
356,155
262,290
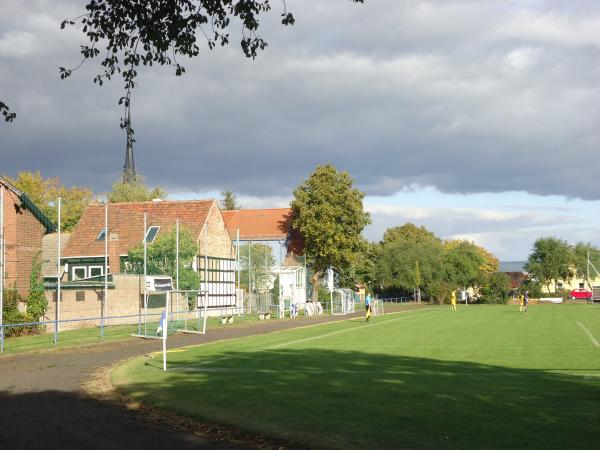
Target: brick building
83,257
24,227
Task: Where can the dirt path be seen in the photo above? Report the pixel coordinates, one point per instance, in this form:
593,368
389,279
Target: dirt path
43,405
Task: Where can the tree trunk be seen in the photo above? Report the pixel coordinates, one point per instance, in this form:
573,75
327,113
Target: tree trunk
316,279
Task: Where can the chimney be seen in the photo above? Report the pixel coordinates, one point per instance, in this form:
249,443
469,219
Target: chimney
114,258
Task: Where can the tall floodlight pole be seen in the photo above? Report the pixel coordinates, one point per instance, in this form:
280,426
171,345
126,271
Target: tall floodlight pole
105,293
237,257
177,256
206,261
250,276
1,266
587,269
145,273
58,275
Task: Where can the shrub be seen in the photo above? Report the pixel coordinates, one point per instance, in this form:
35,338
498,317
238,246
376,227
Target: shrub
494,288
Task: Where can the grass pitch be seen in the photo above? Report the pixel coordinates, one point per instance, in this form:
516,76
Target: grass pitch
483,377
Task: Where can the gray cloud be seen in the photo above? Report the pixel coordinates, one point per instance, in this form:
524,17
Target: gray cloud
465,96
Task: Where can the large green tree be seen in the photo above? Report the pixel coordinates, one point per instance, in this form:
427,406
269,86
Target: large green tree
44,192
550,261
161,258
329,214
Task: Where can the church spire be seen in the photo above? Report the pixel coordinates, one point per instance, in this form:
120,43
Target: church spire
129,167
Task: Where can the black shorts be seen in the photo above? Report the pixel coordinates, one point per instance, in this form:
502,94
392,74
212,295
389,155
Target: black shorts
367,307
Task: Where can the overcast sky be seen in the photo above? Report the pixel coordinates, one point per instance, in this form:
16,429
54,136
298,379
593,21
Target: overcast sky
478,119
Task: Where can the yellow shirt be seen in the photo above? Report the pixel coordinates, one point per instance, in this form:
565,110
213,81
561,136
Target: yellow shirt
453,297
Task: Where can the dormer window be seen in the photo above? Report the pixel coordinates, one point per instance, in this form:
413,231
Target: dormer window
151,234
101,235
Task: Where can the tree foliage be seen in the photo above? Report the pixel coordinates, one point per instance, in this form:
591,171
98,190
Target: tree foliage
494,288
411,257
45,192
229,201
329,214
127,34
410,233
5,110
36,300
134,191
161,258
550,261
581,250
256,262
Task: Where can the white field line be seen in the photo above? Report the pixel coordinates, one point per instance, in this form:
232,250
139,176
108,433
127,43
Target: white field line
590,335
333,333
272,347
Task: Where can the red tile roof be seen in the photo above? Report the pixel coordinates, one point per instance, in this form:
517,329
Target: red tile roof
259,224
127,221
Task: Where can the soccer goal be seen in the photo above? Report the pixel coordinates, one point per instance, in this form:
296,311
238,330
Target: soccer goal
165,310
342,302
377,308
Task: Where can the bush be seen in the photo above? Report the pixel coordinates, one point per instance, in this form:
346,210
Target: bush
494,288
11,313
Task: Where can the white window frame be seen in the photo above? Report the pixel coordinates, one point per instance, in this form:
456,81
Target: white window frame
89,273
74,268
148,232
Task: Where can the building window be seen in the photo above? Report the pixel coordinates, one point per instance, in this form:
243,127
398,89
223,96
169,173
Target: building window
96,271
101,235
299,278
151,234
581,285
560,285
78,272
80,296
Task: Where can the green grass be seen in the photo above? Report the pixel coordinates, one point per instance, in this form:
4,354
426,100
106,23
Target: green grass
484,377
91,336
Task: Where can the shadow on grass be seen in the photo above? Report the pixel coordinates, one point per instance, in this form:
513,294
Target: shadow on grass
66,420
361,400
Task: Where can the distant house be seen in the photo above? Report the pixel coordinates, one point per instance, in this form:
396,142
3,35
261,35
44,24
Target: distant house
24,227
273,227
515,271
83,256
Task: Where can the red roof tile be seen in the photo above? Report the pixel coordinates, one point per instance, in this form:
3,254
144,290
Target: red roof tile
259,224
127,221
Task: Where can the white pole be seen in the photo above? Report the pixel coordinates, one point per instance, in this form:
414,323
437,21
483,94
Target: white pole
177,255
105,296
165,330
145,276
58,276
206,264
1,265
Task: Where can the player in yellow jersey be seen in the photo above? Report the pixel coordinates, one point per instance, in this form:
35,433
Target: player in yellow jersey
453,300
521,302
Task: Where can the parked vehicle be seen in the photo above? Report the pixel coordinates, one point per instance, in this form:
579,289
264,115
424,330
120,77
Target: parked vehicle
581,293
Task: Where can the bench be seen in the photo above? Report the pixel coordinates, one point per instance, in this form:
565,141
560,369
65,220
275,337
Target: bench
226,319
264,316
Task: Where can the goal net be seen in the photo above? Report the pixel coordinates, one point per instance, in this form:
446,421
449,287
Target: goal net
377,308
342,302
